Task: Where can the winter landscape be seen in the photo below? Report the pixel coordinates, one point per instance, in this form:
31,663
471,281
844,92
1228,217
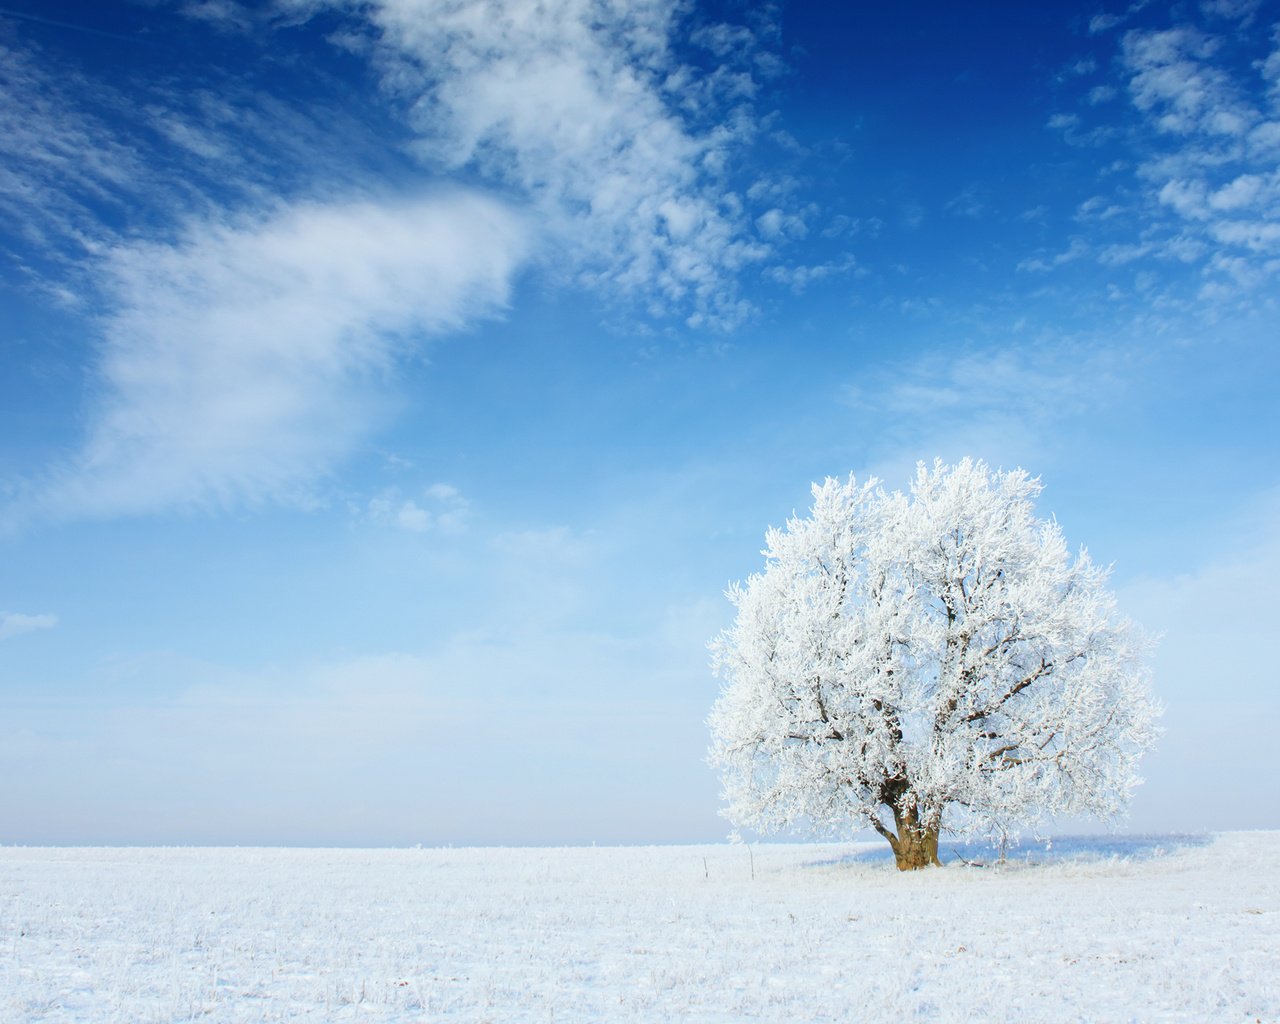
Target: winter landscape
626,510
1137,930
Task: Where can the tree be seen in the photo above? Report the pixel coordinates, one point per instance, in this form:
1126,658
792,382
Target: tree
930,661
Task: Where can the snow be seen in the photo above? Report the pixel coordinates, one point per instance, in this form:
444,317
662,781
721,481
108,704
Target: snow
1161,929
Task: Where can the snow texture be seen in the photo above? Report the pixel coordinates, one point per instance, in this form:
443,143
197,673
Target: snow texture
1163,929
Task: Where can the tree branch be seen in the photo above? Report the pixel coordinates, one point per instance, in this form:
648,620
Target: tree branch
878,825
1045,668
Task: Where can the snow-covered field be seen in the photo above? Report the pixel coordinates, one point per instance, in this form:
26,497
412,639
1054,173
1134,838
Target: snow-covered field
1168,929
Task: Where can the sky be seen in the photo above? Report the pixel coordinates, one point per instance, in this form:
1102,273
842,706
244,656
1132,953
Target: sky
391,389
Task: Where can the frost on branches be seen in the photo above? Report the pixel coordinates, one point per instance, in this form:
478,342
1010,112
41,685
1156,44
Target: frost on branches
930,661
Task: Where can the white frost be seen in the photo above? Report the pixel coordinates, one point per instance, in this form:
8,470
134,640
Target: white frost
937,659
1116,932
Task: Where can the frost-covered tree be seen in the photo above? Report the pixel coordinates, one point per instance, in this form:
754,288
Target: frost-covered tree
928,661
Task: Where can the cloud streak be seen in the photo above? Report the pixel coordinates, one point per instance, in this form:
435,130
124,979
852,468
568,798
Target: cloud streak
57,157
1011,403
440,508
242,361
86,164
16,623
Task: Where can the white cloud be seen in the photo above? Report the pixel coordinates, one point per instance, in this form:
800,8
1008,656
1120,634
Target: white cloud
226,15
57,158
799,277
242,361
1071,127
1182,80
78,154
580,106
1257,236
1234,10
971,202
1076,249
1008,403
1106,21
1207,142
1172,77
440,507
1098,208
775,224
842,225
1244,191
16,623
1031,385
244,358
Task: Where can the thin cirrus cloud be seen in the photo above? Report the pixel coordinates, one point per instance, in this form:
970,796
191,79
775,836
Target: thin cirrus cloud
57,156
440,507
244,360
17,623
86,164
1011,402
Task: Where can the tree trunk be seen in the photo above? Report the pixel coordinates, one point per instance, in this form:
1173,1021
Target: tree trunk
916,844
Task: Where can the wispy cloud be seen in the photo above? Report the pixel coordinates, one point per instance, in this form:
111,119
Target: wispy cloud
582,108
1217,171
86,164
58,157
972,202
1008,402
16,623
799,277
242,361
1107,20
1242,11
1029,384
439,508
1204,189
226,15
1076,249
246,340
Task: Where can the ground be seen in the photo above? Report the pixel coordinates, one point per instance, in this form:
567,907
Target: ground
1143,930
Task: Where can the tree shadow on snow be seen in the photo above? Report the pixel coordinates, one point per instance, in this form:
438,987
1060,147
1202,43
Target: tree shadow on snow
1056,850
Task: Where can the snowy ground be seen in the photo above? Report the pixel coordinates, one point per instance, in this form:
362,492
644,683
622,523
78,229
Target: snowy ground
1170,929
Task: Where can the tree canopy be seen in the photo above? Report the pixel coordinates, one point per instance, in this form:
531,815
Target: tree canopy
929,661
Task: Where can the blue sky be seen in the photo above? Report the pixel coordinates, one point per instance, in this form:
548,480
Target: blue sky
392,388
